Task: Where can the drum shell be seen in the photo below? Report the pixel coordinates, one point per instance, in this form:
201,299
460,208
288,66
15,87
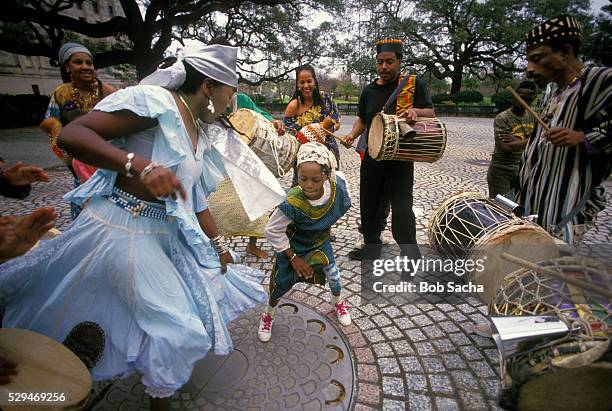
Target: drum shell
485,239
278,153
427,145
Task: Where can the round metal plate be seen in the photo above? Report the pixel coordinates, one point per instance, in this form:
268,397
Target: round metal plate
307,366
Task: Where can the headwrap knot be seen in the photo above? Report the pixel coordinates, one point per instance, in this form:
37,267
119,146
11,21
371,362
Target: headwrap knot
318,153
217,62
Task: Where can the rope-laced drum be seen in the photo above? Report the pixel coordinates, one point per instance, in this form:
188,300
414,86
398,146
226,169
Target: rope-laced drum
572,372
54,376
472,226
392,138
278,153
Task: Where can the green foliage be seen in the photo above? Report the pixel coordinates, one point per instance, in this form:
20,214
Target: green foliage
440,98
597,46
467,96
452,39
259,98
348,89
435,85
274,40
502,100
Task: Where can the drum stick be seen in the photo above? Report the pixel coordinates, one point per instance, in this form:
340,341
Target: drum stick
527,107
331,134
559,276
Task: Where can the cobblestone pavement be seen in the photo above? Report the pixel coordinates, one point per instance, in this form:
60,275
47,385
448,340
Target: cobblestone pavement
411,356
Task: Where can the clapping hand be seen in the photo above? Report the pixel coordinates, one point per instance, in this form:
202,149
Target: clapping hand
20,175
18,235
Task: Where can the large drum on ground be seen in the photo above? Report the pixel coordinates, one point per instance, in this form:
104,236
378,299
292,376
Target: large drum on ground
45,367
568,373
471,226
278,153
392,138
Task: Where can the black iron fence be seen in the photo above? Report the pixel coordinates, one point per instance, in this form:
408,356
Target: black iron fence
350,109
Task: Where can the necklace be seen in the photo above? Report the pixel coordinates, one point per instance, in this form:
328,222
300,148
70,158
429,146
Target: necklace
556,97
82,102
189,111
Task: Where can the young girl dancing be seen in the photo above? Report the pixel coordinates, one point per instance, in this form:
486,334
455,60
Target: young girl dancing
299,232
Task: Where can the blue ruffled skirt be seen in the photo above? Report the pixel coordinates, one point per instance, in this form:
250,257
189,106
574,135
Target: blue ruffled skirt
161,308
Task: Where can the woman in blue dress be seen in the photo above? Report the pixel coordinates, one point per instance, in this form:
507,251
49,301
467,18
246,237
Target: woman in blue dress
144,259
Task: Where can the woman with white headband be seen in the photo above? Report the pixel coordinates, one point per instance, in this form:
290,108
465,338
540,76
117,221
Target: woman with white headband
144,259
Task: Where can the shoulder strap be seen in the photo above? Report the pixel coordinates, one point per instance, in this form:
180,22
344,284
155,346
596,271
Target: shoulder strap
399,87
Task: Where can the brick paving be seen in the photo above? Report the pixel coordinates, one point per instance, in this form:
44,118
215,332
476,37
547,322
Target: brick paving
410,356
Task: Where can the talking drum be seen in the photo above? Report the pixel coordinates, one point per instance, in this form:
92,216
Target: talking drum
278,153
472,227
573,372
45,367
391,138
311,133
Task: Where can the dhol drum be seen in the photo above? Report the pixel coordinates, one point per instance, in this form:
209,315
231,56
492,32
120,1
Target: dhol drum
311,133
568,373
50,376
391,138
473,228
278,153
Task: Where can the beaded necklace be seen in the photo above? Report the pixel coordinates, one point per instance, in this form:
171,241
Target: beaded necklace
550,112
85,103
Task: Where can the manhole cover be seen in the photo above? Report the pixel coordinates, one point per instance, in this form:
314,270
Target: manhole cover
307,366
478,162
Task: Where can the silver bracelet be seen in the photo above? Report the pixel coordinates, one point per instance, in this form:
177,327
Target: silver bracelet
220,244
128,165
150,167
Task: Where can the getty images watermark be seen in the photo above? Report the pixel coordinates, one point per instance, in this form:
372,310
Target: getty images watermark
407,266
402,279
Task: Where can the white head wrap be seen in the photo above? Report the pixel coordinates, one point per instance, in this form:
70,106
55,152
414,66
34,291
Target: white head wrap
68,49
318,153
217,62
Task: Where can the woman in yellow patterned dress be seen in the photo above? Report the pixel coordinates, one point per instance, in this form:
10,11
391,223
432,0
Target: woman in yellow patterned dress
310,105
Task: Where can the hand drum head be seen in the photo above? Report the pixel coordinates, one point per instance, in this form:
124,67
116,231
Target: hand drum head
44,366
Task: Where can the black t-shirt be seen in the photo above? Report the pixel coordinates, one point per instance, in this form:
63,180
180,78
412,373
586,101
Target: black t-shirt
374,96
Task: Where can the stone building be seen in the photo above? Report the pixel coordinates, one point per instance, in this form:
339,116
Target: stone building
34,74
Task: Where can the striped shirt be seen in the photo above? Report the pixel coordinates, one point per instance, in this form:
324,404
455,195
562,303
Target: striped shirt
553,180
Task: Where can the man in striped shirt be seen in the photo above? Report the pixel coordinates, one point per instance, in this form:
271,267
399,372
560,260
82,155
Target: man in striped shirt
564,166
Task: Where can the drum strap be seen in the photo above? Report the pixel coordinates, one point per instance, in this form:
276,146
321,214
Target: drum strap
399,88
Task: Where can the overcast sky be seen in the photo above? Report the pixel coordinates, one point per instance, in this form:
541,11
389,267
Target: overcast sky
596,5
